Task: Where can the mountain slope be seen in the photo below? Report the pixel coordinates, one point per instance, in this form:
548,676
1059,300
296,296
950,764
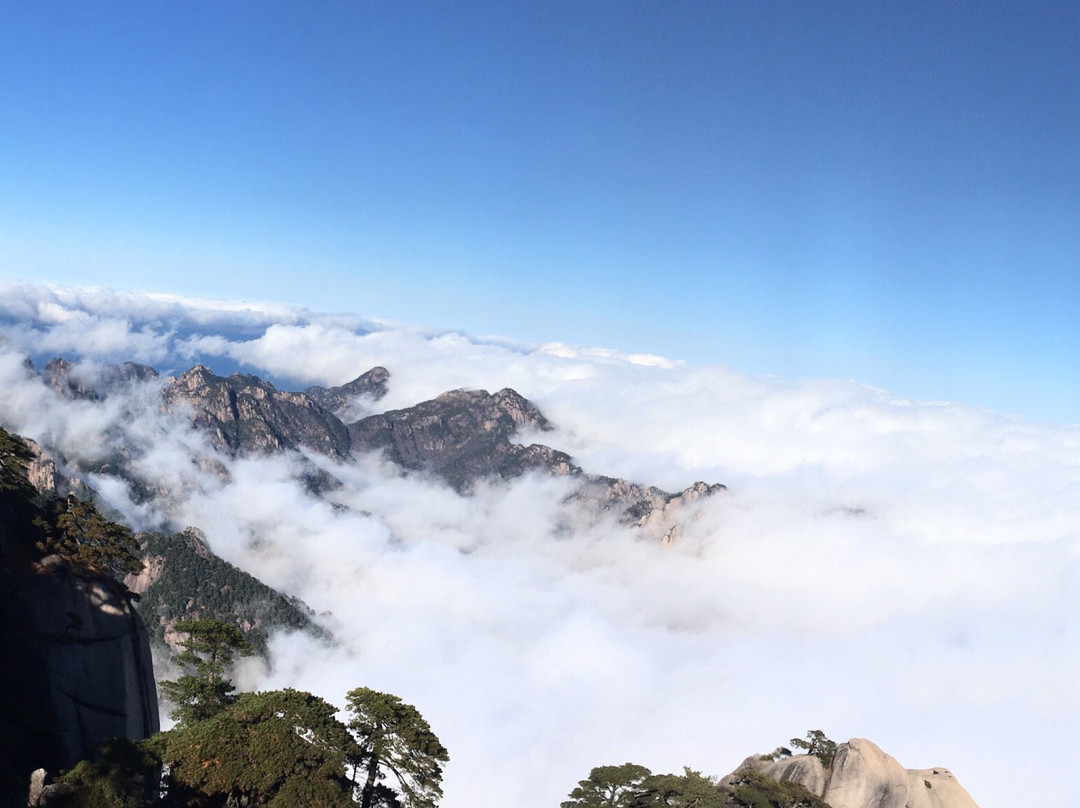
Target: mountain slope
183,579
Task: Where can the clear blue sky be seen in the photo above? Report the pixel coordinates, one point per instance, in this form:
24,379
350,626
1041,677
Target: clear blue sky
882,191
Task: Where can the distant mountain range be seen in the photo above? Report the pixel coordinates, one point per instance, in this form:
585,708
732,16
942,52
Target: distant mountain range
461,437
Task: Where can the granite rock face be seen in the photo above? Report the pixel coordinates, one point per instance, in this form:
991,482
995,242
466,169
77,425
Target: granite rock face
75,664
936,788
806,770
244,414
863,776
83,664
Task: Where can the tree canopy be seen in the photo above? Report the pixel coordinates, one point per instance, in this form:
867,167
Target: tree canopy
79,534
611,787
209,650
277,749
394,738
818,745
633,786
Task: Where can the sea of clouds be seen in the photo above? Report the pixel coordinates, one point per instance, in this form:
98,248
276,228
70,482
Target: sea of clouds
880,568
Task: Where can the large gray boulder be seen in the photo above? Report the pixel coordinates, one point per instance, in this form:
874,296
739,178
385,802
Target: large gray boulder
863,776
806,770
936,788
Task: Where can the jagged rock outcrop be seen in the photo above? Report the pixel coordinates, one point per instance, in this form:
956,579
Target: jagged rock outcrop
863,776
342,400
467,435
462,436
657,512
244,414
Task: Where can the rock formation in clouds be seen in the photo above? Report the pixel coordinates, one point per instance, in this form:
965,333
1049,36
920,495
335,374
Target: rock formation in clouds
72,381
462,436
341,400
863,776
465,436
244,414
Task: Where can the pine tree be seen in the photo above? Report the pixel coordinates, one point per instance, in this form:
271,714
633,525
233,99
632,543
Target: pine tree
394,738
209,650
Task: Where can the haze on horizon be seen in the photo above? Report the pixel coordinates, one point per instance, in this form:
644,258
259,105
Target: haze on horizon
880,192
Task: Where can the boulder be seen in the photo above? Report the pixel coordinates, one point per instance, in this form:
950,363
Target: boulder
806,770
862,776
936,788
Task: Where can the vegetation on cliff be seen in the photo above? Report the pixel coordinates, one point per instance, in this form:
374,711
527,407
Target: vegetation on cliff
192,583
634,786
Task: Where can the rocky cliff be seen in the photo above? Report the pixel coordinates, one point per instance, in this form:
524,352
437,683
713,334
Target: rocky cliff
863,776
75,663
245,414
79,656
74,381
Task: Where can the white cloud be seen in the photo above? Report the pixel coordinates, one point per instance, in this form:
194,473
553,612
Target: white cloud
882,568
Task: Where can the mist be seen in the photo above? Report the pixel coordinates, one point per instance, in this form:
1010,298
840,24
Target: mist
897,570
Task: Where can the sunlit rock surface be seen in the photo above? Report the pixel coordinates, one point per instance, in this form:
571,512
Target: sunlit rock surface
244,414
863,776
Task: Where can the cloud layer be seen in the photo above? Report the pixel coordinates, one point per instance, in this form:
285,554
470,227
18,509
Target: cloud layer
882,568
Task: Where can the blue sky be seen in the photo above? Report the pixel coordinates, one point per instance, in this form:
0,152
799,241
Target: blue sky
888,192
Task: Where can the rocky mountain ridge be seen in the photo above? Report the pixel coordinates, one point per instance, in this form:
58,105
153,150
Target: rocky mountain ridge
244,414
461,436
